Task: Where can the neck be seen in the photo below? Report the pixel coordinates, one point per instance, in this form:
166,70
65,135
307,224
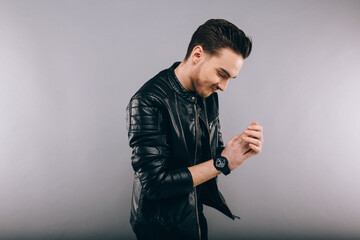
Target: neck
183,73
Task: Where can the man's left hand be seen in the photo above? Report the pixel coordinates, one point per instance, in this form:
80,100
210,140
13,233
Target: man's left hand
254,136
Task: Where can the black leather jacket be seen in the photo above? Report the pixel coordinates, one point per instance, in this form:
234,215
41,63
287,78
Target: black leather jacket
162,122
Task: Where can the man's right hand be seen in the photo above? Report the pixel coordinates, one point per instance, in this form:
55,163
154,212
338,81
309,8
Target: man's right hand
243,145
237,150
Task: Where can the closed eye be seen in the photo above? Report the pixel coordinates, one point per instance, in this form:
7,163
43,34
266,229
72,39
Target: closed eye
221,75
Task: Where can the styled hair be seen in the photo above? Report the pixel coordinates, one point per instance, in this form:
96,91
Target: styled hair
216,34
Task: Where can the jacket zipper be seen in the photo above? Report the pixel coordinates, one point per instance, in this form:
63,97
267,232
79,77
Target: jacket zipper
196,143
210,125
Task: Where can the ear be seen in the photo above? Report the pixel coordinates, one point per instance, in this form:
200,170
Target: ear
197,54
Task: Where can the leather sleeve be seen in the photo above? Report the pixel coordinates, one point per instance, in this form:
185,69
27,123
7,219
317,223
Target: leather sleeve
150,151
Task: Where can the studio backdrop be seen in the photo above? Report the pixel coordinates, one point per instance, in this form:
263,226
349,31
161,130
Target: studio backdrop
69,68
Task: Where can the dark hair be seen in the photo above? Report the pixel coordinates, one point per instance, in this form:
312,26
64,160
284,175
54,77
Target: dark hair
216,34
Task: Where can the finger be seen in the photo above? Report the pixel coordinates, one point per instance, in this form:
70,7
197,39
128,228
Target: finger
254,141
249,150
254,123
249,153
256,128
256,134
255,148
231,140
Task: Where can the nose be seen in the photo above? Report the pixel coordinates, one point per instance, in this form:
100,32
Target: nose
223,84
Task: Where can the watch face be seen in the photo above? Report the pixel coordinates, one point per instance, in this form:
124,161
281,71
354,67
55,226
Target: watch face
220,162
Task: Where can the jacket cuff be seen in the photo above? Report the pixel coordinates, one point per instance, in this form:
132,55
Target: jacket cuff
189,178
184,179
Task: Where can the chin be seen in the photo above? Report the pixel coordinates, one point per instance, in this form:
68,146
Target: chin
205,94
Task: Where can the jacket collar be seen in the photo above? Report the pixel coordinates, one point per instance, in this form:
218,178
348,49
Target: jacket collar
175,83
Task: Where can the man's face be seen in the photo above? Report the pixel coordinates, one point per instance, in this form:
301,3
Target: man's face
212,73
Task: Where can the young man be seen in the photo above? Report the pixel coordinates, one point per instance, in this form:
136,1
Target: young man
174,131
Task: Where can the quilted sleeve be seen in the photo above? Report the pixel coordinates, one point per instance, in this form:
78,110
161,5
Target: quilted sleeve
150,151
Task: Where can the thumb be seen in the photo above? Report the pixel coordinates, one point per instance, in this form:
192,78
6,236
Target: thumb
249,153
234,138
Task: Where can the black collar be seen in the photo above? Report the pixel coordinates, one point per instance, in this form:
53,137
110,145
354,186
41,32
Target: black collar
175,83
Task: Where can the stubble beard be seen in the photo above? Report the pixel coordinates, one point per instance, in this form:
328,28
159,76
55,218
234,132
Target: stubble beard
195,81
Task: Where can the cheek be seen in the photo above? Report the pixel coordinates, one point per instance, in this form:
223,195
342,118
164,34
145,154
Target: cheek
209,79
206,78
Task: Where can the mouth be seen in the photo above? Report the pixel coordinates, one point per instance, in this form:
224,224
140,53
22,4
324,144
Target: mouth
214,89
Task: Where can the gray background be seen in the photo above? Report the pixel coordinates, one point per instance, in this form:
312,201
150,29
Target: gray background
68,69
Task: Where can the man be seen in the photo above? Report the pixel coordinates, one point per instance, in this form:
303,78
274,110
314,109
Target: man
174,131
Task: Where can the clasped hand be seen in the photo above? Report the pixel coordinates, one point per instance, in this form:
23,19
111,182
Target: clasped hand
244,145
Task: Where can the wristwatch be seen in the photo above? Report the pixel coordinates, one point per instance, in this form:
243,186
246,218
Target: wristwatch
221,164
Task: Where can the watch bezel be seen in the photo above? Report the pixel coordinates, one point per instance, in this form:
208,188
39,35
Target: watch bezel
225,169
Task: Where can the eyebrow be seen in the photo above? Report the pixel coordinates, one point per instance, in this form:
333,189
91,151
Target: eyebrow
226,72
